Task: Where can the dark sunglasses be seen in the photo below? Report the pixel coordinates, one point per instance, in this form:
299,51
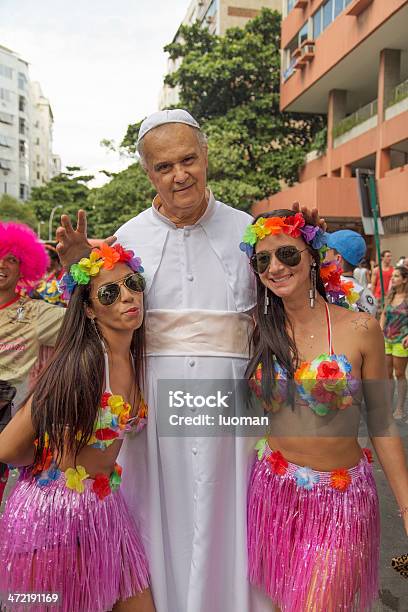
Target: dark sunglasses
108,294
288,255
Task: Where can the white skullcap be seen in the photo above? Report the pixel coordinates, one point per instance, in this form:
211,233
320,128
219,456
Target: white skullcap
177,115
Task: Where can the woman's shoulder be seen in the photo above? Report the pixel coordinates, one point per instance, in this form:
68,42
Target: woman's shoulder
351,321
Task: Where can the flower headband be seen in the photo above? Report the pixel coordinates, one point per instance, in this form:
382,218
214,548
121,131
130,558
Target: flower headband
104,257
293,225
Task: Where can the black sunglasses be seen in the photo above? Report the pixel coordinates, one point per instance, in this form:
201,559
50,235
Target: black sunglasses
108,294
288,255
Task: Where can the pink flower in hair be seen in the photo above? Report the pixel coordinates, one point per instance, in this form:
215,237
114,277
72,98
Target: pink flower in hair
19,240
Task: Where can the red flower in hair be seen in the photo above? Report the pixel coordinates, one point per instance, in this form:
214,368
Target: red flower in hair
101,486
293,225
368,454
278,463
123,255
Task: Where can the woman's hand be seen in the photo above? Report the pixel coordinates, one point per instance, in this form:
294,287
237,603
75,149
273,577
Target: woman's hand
405,342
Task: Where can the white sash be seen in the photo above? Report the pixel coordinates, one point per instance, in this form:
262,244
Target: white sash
198,332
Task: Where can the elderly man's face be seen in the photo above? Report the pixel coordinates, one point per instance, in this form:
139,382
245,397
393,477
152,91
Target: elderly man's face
176,164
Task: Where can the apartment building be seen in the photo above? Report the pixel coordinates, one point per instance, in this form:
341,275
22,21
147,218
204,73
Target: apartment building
217,16
26,158
348,59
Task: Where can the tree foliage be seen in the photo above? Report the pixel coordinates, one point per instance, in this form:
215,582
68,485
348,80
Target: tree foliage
14,210
69,190
127,194
231,85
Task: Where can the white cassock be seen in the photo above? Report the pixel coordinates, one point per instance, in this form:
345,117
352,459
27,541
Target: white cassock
191,503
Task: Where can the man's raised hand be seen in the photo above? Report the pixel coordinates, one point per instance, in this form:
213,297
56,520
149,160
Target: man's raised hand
73,244
311,216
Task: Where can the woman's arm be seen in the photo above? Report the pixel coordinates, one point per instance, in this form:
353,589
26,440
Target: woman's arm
383,431
17,439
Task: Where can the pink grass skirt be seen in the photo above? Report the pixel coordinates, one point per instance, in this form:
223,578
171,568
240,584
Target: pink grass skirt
312,546
55,540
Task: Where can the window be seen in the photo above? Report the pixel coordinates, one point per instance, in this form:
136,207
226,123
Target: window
38,176
5,164
22,80
6,71
4,141
21,104
23,191
22,125
338,7
327,13
5,94
302,34
289,5
317,23
22,148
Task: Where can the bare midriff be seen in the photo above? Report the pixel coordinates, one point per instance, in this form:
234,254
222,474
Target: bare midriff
318,453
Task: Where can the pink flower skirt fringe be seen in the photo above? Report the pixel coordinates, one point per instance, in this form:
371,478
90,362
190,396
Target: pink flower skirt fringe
316,548
55,540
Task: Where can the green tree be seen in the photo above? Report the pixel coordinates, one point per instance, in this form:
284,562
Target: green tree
69,190
231,86
127,194
14,210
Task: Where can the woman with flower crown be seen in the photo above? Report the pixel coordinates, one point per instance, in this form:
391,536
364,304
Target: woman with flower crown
67,537
313,517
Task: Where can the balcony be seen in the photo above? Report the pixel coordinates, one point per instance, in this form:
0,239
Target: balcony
398,100
357,123
5,164
357,7
307,49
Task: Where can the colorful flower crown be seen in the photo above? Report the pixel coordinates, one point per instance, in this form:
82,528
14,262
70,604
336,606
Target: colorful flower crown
104,257
293,225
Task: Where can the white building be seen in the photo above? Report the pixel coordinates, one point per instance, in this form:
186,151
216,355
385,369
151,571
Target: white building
26,158
217,16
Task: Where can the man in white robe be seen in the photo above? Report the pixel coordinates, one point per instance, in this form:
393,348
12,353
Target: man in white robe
191,507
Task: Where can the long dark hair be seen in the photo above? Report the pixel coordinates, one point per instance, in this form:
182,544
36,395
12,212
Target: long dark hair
271,339
67,394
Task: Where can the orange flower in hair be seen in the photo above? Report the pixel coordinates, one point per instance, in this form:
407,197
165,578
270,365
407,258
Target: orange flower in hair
109,255
274,225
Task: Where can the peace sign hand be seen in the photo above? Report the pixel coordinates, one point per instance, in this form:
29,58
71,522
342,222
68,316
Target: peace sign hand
73,244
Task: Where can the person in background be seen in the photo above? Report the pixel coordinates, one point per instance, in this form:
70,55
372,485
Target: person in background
401,261
394,323
362,273
348,248
387,270
25,324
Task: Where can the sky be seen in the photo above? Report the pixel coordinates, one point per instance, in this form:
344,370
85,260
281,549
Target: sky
99,62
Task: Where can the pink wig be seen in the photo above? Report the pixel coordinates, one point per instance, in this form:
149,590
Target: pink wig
19,240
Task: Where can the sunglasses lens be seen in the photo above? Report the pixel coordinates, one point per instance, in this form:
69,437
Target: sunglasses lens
260,261
108,294
136,283
288,255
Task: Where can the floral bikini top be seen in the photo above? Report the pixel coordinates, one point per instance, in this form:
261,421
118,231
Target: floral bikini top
113,419
112,422
325,383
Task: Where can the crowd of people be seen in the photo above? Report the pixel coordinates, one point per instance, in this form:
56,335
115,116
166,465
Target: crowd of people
108,513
